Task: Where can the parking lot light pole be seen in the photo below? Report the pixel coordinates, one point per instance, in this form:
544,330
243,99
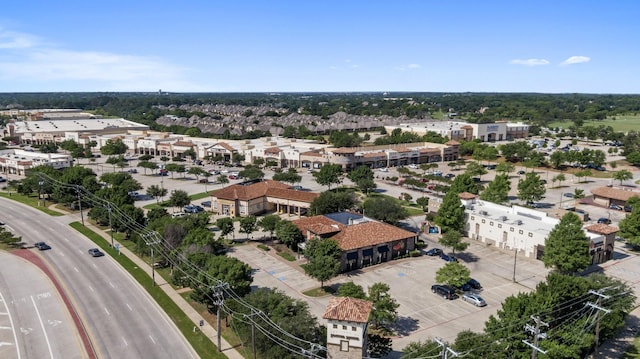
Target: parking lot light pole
110,226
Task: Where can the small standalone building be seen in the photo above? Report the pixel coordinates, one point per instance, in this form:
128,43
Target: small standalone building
524,229
347,320
363,241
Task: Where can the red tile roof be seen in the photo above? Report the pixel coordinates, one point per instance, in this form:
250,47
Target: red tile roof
343,150
311,153
183,143
252,191
467,195
354,236
452,143
294,195
348,309
601,228
226,146
614,193
272,150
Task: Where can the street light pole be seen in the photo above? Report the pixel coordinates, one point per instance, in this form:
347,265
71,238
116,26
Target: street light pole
80,204
40,196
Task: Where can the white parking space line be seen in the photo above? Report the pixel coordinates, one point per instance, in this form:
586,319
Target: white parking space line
44,331
95,266
128,306
107,310
153,340
60,253
76,269
91,288
13,328
111,284
125,342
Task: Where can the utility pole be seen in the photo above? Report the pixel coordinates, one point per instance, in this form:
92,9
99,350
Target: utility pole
445,349
110,226
536,335
218,300
151,242
80,204
599,308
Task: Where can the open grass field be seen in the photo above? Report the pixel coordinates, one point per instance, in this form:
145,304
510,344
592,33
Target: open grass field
620,123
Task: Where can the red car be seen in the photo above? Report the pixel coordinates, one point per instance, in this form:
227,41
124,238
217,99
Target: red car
233,177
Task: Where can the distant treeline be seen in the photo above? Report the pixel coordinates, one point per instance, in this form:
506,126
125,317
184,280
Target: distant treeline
537,109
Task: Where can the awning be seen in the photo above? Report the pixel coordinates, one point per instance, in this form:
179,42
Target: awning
383,249
352,256
367,252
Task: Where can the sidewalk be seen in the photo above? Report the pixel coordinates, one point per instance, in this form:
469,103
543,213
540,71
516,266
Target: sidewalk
193,315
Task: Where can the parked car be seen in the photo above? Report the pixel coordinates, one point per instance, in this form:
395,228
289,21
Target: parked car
628,209
233,177
616,207
521,172
604,220
434,252
95,252
214,228
448,258
297,188
491,167
42,246
474,299
568,194
132,170
214,172
206,204
384,169
474,284
192,208
449,175
446,291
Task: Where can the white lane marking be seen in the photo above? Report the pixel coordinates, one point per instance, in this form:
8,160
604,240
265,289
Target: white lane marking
15,336
125,342
66,239
60,253
111,284
107,310
94,265
46,337
153,340
90,287
76,269
5,327
128,306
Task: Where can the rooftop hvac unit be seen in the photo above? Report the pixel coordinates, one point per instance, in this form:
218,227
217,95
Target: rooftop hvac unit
518,222
503,218
484,213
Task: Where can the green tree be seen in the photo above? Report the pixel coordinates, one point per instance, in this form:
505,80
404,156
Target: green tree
269,223
156,192
362,176
289,234
475,169
567,247
450,216
505,167
531,188
179,198
419,349
290,315
423,202
559,178
197,171
464,183
324,259
622,175
453,273
331,202
352,290
630,226
328,175
222,179
113,147
251,172
498,190
226,226
384,311
290,176
148,166
454,240
248,225
583,174
385,209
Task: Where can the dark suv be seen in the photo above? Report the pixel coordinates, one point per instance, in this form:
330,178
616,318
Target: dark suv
446,291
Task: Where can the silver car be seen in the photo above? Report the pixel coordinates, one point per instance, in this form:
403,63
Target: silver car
474,299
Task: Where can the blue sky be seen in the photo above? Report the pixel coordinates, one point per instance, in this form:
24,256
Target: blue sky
308,45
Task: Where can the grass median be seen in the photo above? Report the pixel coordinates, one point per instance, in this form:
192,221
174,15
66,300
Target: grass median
200,342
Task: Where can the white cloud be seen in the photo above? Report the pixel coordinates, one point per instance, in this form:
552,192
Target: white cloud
413,66
576,60
27,60
15,40
530,62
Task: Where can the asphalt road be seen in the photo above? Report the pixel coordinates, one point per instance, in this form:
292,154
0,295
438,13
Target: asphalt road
34,322
121,318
